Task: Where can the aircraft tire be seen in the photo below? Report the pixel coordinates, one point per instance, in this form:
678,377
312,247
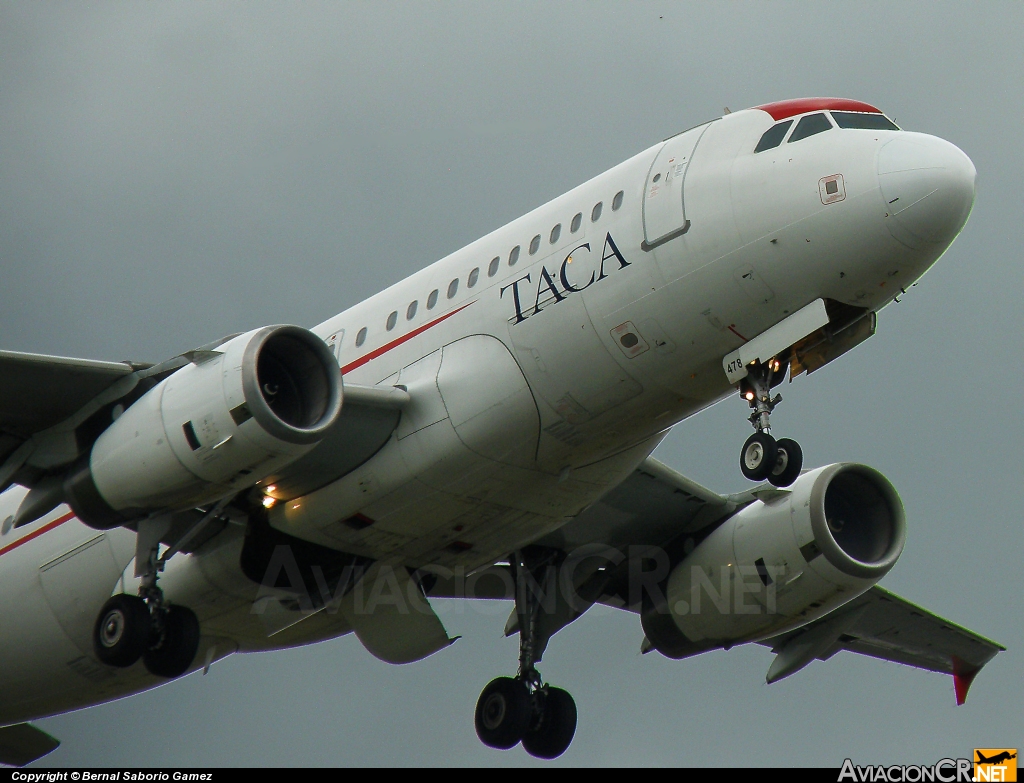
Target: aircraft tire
557,727
758,456
173,656
788,463
122,631
503,713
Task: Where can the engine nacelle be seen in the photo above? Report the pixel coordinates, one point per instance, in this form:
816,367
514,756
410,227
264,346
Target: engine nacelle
218,425
777,565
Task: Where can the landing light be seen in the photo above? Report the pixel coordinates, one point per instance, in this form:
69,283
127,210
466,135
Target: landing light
749,395
268,502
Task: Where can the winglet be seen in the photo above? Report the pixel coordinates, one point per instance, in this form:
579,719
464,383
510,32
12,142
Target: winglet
963,676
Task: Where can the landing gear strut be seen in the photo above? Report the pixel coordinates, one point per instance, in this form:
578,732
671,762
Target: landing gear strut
763,457
524,708
130,627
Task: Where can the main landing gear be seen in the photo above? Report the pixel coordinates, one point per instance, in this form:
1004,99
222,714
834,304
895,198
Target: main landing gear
524,708
144,626
763,457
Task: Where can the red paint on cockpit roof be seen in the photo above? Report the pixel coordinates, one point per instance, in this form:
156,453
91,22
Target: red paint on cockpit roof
783,109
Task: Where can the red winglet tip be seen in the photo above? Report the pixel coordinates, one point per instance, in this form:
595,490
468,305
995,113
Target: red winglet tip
963,676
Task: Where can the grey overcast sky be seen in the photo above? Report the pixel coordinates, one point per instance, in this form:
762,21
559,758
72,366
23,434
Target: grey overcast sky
171,172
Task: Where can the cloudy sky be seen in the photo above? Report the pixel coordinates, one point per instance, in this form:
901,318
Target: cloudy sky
171,172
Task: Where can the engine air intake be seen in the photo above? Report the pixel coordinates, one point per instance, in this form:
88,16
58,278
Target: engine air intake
858,520
290,383
858,517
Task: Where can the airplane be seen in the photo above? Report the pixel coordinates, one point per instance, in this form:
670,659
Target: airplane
996,759
483,429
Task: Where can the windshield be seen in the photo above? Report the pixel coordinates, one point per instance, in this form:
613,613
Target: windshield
850,119
773,136
810,125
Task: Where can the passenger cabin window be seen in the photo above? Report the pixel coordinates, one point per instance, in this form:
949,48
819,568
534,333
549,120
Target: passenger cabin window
432,299
513,256
535,244
576,222
410,311
361,337
492,268
595,213
473,277
773,136
809,126
392,320
617,201
851,119
556,232
453,288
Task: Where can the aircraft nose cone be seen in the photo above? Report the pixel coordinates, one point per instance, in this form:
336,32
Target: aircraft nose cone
928,185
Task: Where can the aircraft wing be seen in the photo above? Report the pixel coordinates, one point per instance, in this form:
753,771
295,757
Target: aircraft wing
23,743
885,626
656,508
37,392
656,512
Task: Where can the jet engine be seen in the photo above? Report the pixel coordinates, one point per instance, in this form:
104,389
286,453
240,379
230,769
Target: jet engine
217,425
781,562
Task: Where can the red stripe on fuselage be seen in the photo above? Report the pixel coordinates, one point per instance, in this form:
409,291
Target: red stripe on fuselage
404,338
36,533
732,328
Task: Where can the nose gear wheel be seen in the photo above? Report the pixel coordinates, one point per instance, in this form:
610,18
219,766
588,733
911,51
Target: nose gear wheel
758,456
789,459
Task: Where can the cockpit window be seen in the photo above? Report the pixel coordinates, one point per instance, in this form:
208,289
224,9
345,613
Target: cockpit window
809,125
773,136
852,119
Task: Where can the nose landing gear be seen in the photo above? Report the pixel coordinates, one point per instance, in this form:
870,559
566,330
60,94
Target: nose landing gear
763,457
524,709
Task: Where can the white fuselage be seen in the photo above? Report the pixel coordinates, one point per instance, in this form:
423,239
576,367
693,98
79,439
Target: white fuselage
538,380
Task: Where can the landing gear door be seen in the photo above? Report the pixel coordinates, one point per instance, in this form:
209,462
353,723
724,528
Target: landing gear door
76,584
664,199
